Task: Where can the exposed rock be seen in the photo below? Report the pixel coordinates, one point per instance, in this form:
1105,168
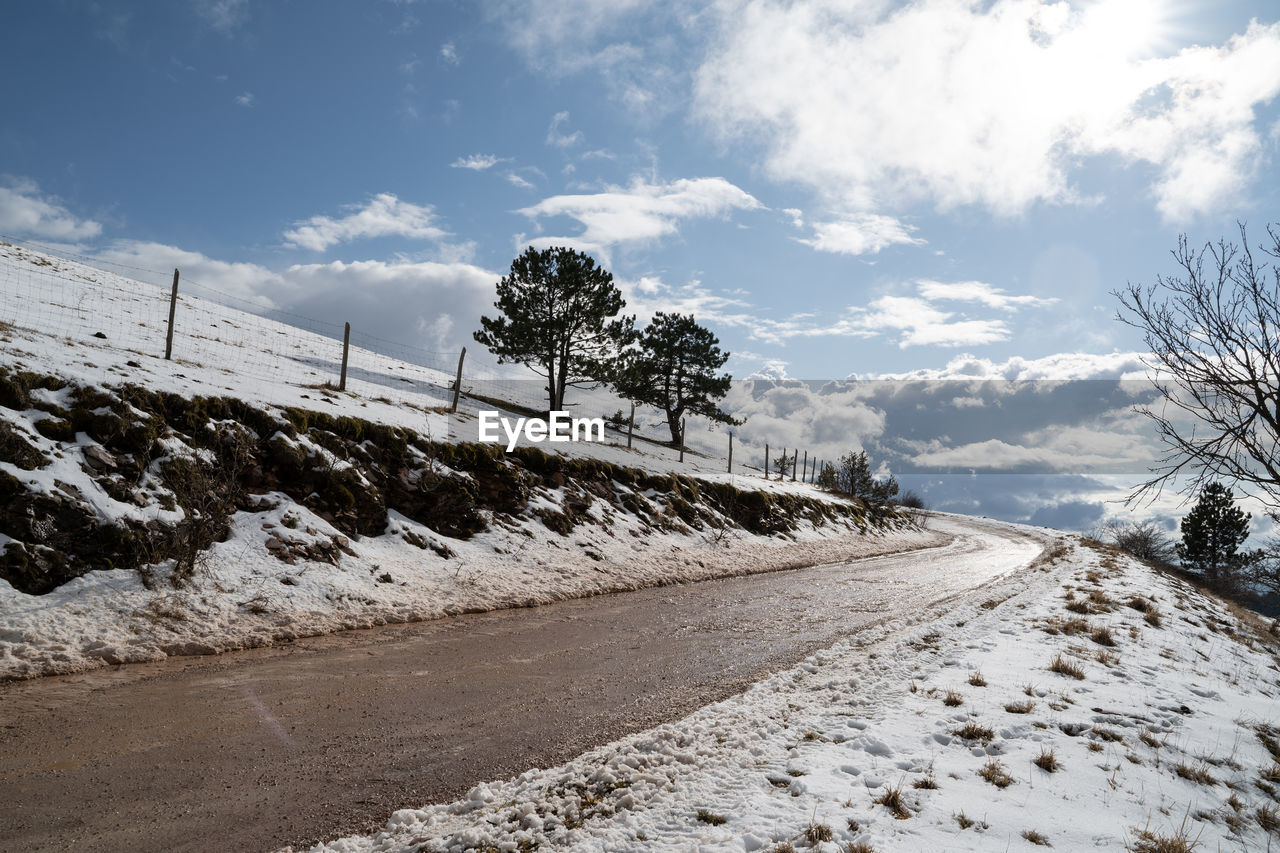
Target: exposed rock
98,458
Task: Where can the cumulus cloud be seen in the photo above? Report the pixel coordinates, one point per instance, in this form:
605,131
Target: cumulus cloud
918,323
1056,367
858,234
449,54
641,211
383,215
478,162
245,99
990,104
25,211
436,301
977,291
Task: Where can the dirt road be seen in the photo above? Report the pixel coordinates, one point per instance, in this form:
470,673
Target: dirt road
327,736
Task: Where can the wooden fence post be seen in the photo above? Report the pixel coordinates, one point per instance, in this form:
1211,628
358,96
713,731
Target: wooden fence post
730,469
804,472
631,424
346,343
457,382
795,457
766,461
173,304
682,439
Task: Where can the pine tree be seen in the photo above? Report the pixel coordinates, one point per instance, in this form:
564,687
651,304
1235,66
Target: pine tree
560,318
675,369
1212,534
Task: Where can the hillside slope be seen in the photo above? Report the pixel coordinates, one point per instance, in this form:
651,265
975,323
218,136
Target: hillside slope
153,507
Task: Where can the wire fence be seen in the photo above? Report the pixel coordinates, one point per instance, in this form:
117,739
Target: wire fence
233,341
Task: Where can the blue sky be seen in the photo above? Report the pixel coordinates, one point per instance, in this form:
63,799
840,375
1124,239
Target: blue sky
929,189
836,188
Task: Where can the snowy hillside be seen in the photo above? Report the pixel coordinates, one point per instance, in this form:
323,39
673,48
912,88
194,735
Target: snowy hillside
233,497
1085,703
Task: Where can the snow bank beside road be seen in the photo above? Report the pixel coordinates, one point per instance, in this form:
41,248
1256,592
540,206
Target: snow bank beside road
247,595
952,733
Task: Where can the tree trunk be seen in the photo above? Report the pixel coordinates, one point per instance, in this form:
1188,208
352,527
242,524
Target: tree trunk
673,423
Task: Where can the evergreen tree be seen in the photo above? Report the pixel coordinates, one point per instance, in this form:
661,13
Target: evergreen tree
1212,534
675,369
559,318
853,477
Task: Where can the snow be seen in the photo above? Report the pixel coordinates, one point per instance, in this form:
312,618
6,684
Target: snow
818,744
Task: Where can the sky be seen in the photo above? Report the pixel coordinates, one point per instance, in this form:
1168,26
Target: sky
923,189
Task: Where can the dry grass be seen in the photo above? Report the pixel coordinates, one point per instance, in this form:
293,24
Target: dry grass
1103,636
708,817
1199,775
976,679
817,833
973,730
926,783
891,799
1020,707
1036,838
1152,618
1269,819
952,699
1149,739
1151,842
1139,604
993,771
1047,761
859,847
1065,666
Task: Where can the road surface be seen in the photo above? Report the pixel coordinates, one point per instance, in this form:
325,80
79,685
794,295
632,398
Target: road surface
327,736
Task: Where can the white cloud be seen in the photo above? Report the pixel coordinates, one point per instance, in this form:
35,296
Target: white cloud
223,16
382,216
921,324
994,104
436,301
517,181
859,234
995,454
642,211
558,139
1056,367
478,162
25,211
772,369
449,53
241,280
245,100
977,291
560,35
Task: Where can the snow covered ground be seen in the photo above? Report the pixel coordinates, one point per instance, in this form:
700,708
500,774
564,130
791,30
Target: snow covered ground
948,732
